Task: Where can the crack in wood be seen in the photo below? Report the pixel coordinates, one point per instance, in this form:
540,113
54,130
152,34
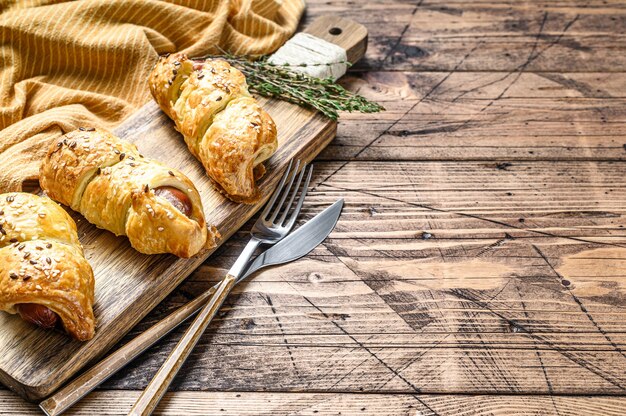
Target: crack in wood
579,303
268,300
538,353
591,367
477,217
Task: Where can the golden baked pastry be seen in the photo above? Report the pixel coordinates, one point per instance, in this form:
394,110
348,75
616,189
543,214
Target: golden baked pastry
43,273
114,187
222,124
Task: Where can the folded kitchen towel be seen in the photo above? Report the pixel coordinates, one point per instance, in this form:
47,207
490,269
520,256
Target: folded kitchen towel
65,64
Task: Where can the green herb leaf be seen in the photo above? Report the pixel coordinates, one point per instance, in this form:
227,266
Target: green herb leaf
279,81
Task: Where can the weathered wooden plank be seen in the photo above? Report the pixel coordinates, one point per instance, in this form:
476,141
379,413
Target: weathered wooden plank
490,35
261,403
430,283
478,115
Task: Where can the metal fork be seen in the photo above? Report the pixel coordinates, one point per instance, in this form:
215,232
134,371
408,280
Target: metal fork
272,226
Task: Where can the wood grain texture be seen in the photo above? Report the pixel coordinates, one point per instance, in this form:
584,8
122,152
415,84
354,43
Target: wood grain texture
115,403
488,35
34,362
470,116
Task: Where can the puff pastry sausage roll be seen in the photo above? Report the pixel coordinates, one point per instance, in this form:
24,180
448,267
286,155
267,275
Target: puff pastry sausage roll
223,126
43,274
114,187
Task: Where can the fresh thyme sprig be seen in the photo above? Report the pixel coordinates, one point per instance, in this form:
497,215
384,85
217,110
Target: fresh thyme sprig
279,81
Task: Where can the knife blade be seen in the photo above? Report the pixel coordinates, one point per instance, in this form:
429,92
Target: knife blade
299,242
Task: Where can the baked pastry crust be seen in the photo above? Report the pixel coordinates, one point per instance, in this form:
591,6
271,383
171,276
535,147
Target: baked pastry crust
42,262
113,186
221,123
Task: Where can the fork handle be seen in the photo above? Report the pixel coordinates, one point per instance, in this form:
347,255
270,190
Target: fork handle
151,396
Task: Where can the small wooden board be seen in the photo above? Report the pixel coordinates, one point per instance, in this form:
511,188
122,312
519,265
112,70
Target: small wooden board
34,362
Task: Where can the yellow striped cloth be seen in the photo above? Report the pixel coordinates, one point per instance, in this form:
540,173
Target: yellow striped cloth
67,64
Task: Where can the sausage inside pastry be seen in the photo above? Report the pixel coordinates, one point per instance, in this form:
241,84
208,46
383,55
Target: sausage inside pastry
221,123
44,276
114,187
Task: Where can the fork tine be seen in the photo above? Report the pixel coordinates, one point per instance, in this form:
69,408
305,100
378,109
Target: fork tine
285,192
305,188
279,188
293,196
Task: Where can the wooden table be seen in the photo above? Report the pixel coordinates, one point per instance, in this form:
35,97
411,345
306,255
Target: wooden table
480,263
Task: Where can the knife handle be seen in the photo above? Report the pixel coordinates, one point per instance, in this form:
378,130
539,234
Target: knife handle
151,396
99,373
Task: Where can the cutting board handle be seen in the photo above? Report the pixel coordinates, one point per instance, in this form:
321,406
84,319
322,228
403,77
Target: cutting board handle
346,33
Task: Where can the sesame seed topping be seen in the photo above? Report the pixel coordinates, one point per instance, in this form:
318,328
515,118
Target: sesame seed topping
42,214
48,260
37,287
122,156
21,247
146,188
218,99
13,240
27,277
3,231
33,262
27,254
171,173
116,151
59,144
49,245
91,129
200,76
72,145
13,275
10,198
81,128
160,229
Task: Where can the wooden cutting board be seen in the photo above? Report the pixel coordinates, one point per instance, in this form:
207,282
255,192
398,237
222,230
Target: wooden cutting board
34,362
